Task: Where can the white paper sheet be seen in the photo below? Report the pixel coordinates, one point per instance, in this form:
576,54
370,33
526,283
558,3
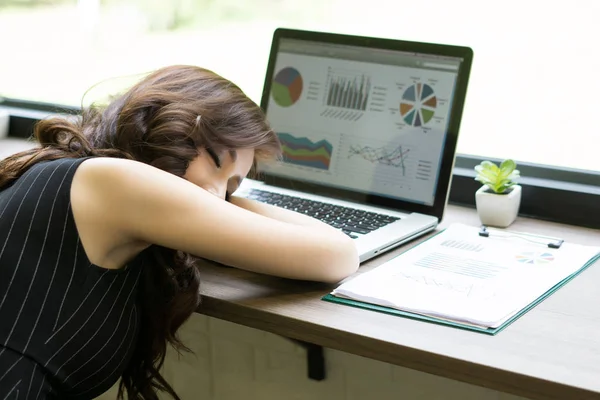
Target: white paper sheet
460,276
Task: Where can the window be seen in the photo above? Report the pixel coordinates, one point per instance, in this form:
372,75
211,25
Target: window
531,97
532,92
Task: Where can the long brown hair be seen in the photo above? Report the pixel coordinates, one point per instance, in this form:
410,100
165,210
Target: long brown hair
163,121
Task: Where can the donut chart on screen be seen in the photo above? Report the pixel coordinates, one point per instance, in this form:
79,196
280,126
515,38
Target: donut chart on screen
287,87
418,104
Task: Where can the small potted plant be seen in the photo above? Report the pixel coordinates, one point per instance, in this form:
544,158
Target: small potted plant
499,199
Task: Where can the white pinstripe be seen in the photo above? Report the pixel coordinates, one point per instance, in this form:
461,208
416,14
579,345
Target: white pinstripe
114,332
82,325
68,286
41,252
133,312
22,189
80,305
31,380
8,237
16,190
11,367
98,329
13,388
62,239
10,231
115,369
40,389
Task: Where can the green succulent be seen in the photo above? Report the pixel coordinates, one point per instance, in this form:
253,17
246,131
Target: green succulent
498,179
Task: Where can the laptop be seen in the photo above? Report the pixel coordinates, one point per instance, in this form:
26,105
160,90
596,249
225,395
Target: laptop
368,127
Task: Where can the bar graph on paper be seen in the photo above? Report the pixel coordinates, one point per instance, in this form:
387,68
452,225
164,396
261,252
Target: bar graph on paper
347,94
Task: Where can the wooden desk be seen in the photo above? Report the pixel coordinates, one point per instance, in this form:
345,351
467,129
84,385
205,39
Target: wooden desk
552,352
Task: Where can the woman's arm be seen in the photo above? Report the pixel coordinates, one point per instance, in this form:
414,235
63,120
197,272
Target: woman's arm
133,203
280,214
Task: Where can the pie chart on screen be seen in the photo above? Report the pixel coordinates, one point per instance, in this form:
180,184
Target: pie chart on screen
418,104
287,87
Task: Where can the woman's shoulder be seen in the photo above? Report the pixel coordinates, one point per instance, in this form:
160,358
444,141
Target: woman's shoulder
55,166
45,175
120,171
119,186
62,171
109,199
115,162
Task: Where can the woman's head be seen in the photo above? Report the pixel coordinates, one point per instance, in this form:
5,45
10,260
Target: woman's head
220,173
185,120
168,119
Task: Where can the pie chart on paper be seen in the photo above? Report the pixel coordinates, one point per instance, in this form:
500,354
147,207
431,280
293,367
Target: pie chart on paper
287,87
418,104
531,257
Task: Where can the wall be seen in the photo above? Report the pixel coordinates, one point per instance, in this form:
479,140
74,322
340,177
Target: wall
233,362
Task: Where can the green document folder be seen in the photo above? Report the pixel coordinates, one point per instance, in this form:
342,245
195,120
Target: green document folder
466,326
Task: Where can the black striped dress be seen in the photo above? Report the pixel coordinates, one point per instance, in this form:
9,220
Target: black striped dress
67,327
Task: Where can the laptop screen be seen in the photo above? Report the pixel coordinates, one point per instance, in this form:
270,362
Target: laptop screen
361,119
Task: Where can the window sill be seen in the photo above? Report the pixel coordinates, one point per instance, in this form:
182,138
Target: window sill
549,193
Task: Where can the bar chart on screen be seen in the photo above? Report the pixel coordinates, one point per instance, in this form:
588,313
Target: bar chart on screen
346,94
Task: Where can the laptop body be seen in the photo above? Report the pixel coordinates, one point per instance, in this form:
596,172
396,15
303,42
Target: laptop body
368,127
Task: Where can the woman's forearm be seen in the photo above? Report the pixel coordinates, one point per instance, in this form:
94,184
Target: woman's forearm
278,213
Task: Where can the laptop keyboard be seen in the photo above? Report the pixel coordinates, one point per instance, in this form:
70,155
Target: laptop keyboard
351,221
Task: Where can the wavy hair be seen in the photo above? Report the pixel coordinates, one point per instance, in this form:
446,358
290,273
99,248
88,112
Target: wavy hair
162,121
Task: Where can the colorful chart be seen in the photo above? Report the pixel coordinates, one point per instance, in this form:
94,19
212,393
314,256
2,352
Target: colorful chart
351,93
393,156
287,87
532,257
305,152
418,104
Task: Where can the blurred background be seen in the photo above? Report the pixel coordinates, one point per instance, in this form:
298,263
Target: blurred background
534,86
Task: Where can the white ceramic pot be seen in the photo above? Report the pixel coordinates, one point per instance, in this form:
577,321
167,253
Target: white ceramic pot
498,210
